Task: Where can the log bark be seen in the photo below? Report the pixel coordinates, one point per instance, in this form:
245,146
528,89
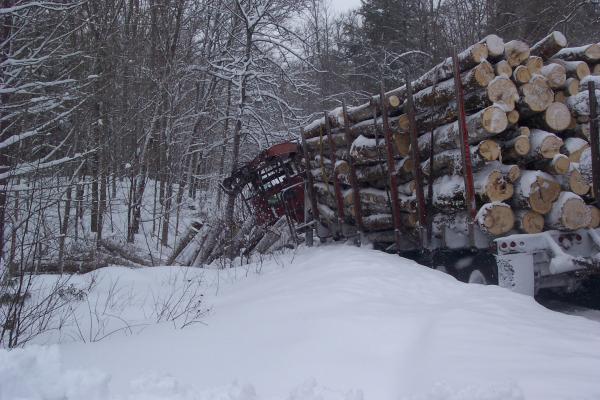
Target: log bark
467,60
589,53
515,148
318,144
374,128
444,92
594,217
529,221
550,45
485,124
449,162
516,52
378,173
317,127
535,190
368,151
558,165
569,212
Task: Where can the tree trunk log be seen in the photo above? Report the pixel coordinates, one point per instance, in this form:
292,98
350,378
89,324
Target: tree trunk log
574,69
535,190
516,52
556,75
485,124
529,221
549,45
556,118
589,53
569,212
536,96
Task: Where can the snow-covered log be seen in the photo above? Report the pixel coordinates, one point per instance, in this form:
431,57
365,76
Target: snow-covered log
536,190
569,212
588,53
549,45
574,69
516,52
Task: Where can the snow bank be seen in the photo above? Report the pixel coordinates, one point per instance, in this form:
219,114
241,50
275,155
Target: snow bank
35,373
331,323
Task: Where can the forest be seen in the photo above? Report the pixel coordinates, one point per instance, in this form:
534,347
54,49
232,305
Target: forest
119,118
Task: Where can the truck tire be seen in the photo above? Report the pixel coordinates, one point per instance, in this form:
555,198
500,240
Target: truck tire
478,277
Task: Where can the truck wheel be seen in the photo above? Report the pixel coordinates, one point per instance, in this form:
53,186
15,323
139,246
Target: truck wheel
478,277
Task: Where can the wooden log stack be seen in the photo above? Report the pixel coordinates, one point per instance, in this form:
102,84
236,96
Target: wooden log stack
528,130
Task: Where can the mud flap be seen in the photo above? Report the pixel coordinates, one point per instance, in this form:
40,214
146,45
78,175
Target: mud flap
515,272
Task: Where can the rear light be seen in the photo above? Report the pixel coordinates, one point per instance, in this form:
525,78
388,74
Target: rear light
578,237
504,245
513,244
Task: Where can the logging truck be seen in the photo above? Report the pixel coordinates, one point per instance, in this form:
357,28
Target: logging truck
487,167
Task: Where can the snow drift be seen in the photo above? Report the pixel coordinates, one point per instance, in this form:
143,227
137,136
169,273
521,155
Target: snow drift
329,323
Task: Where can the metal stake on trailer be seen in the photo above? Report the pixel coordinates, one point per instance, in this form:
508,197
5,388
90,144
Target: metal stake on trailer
310,187
353,180
336,181
465,150
391,168
414,146
594,141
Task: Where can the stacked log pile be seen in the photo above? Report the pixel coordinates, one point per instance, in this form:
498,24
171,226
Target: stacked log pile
528,128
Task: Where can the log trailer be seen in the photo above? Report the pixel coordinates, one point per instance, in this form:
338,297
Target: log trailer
441,170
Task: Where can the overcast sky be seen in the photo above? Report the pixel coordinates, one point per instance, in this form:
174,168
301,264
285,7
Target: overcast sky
343,5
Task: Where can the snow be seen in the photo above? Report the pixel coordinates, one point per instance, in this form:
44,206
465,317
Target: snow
583,84
334,322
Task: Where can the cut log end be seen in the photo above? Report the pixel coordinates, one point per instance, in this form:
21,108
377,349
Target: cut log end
489,150
496,218
543,194
578,184
569,212
557,117
503,92
530,221
479,52
535,64
522,145
560,164
513,117
497,188
516,52
503,68
521,74
537,95
494,120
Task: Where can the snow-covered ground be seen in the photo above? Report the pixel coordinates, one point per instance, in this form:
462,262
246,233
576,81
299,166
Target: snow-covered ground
328,323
